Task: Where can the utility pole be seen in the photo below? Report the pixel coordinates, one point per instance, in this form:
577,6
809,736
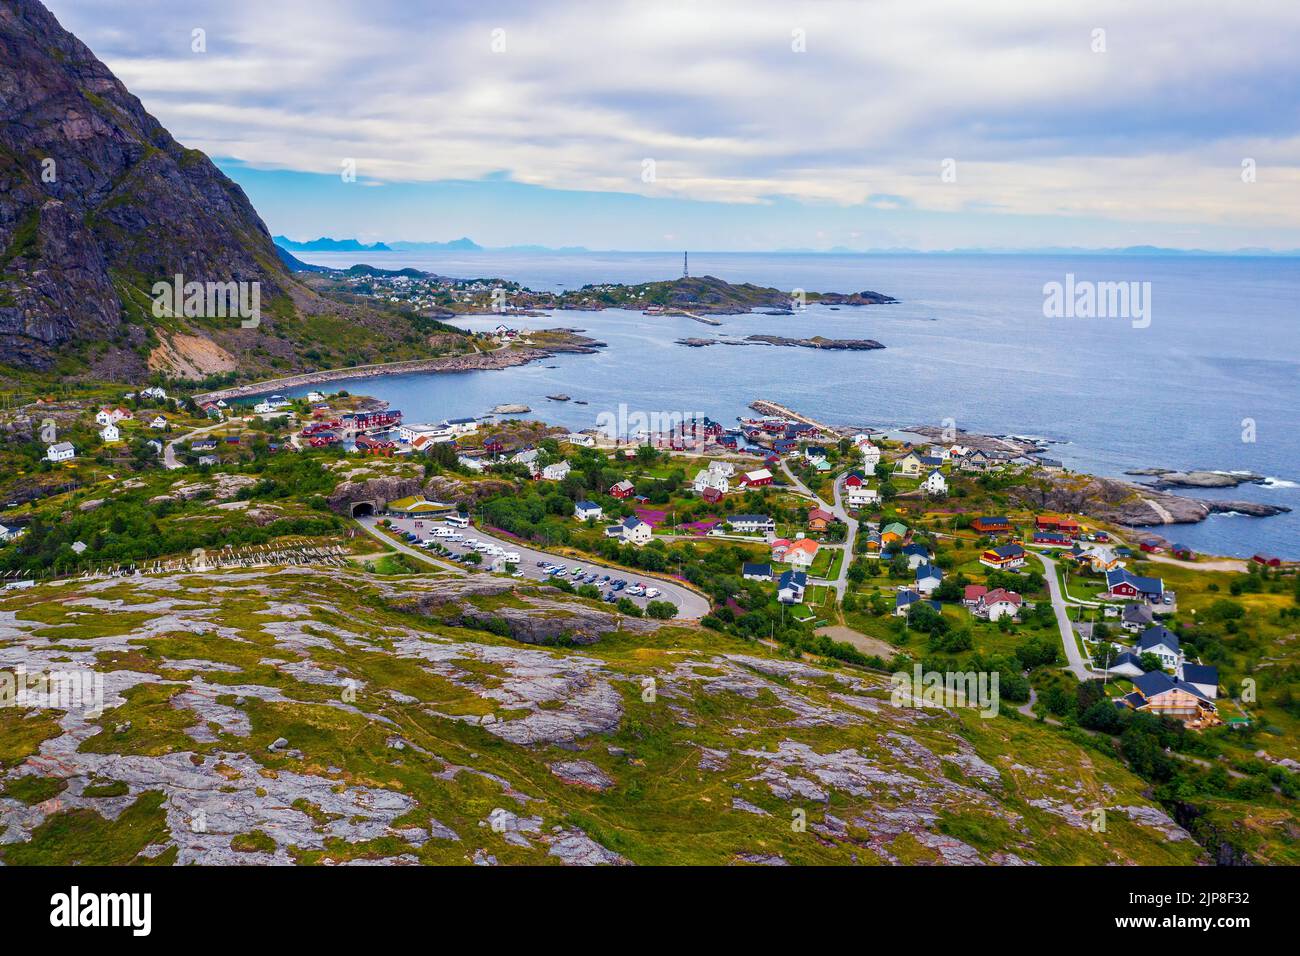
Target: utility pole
686,270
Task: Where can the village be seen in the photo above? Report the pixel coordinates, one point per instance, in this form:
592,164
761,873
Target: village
876,546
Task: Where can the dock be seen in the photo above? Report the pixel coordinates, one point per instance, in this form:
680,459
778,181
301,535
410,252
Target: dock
774,410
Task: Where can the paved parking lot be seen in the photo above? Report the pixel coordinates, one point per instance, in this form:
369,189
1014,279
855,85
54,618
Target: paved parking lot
689,604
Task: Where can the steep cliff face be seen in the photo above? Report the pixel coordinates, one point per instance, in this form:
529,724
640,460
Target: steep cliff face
98,202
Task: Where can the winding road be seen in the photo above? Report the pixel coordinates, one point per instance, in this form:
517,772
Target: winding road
841,581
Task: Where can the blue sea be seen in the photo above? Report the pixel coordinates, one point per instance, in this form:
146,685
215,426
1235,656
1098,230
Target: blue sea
1212,382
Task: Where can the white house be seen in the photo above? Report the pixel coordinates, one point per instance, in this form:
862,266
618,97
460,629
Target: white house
935,484
707,478
60,451
557,471
752,524
436,433
153,391
111,416
109,433
1201,676
928,577
461,426
724,468
860,496
583,510
272,404
998,603
633,531
791,586
159,423
581,440
315,398
870,454
473,464
1163,643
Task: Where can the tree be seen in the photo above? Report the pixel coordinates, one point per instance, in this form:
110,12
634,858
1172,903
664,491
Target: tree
661,610
1149,662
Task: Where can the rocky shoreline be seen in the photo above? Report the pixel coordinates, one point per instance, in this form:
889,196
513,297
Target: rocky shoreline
1127,503
1169,478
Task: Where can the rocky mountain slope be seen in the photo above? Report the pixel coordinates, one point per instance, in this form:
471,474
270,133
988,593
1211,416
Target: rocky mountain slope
98,202
320,715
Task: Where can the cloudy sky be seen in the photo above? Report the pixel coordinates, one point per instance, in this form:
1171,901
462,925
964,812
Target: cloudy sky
734,124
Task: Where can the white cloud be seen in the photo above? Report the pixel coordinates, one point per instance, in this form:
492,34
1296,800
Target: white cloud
1153,129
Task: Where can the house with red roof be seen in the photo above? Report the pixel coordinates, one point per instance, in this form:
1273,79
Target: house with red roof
819,519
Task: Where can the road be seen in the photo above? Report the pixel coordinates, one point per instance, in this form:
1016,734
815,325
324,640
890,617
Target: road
690,605
370,525
1078,666
169,449
841,581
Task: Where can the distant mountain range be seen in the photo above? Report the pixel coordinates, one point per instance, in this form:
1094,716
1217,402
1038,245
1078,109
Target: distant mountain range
325,244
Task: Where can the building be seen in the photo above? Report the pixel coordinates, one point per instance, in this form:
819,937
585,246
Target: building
60,451
892,532
159,423
991,525
972,594
860,496
1158,693
909,466
801,553
110,434
1057,523
906,598
1137,617
430,433
1163,643
752,524
999,603
1052,538
557,471
928,577
916,554
708,479
461,426
870,454
1098,558
581,440
1201,676
588,510
819,519
1125,665
1004,558
790,587
111,416
1124,585
633,531
756,479
935,484
756,572
623,489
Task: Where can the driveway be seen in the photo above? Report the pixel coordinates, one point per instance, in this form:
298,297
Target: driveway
690,605
370,525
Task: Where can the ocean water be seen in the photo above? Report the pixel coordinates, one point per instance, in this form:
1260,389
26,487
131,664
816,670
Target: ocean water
1212,382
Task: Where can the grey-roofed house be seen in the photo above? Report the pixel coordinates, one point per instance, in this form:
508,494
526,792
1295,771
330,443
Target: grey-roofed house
1203,677
756,572
1161,642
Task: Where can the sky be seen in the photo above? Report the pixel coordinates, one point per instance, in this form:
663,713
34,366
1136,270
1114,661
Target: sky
733,124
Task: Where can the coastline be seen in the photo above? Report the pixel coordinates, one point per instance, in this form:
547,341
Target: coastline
474,362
